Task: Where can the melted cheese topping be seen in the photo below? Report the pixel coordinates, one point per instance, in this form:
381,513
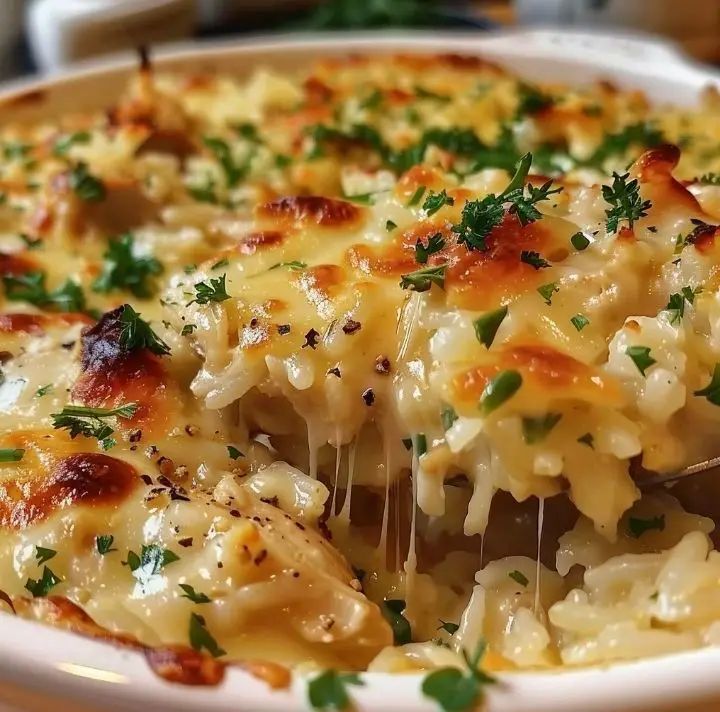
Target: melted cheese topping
311,411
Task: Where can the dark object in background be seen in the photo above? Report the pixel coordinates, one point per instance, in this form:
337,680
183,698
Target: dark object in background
382,14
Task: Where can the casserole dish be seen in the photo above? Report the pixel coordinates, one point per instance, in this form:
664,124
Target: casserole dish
46,662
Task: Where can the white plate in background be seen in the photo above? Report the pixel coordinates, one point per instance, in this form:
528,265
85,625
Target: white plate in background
45,669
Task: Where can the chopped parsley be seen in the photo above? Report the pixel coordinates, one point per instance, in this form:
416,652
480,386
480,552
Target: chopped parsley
328,691
435,201
709,179
293,265
65,143
499,390
676,303
104,544
626,204
487,325
531,100
224,262
123,269
192,594
434,244
136,333
233,452
90,423
579,321
30,287
712,390
42,554
43,390
390,225
214,291
546,291
519,577
422,279
637,526
449,628
188,329
587,439
416,197
447,417
204,193
533,259
392,610
455,690
85,185
523,205
579,241
617,144
151,561
11,454
41,587
234,172
477,220
200,637
537,429
641,357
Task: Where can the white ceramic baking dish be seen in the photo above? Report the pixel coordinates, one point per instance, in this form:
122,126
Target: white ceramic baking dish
43,669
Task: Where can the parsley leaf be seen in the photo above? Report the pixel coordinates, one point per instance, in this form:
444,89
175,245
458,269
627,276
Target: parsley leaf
30,287
435,201
234,172
641,357
456,691
136,334
85,185
151,561
500,389
233,452
447,417
477,220
79,420
215,291
103,543
579,321
42,554
617,144
422,279
328,690
546,291
295,265
579,241
520,577
192,594
434,244
712,390
65,143
534,259
487,325
392,610
523,205
450,628
626,203
709,179
41,587
122,269
416,197
637,526
537,429
531,100
200,637
390,225
676,304
11,454
43,390
587,439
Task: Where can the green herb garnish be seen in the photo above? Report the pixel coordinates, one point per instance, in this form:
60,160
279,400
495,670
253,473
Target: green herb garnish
193,595
11,454
30,287
676,304
328,691
200,637
392,610
546,291
422,279
103,544
65,143
450,628
41,587
712,390
537,429
295,265
579,241
637,526
533,259
579,321
434,244
233,452
214,291
234,172
89,422
499,390
136,334
435,201
447,417
487,325
519,577
641,357
123,269
626,203
85,185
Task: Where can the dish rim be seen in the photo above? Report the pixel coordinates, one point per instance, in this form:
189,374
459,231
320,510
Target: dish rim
55,662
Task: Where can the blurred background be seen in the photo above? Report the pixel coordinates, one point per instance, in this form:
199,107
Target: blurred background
46,35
